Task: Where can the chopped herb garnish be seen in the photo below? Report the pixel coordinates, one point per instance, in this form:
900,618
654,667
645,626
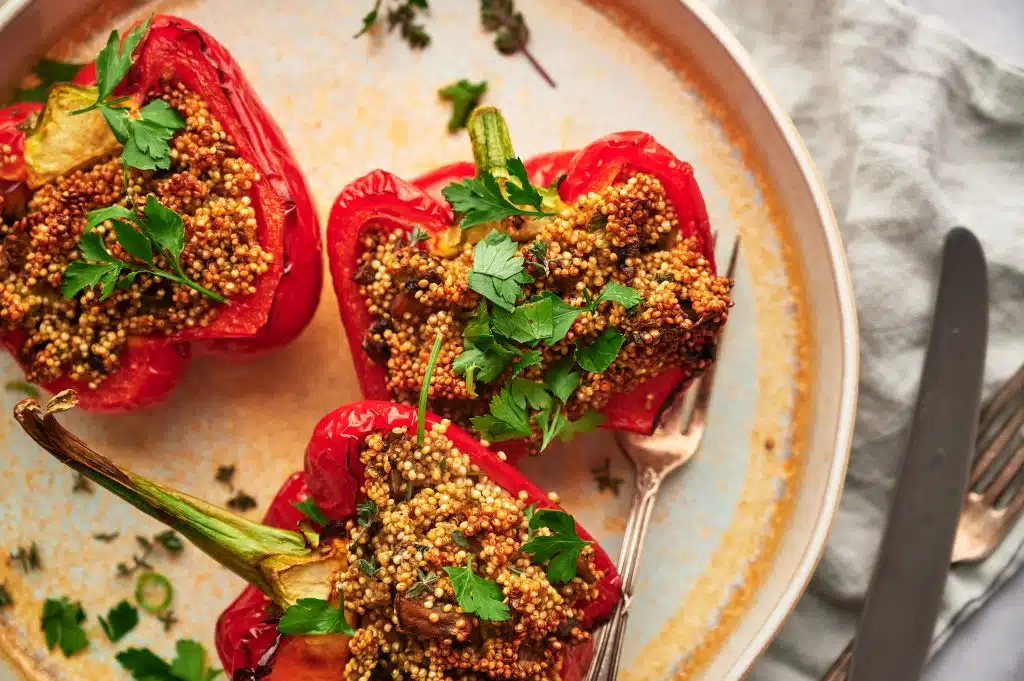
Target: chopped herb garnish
121,619
485,356
170,540
22,387
62,625
6,599
561,380
312,511
559,550
421,421
27,558
538,260
516,571
225,475
167,619
484,200
604,478
189,664
153,592
312,616
477,595
242,502
424,583
106,537
416,235
403,16
624,295
369,567
497,270
512,33
113,63
464,96
81,484
460,539
597,222
366,512
157,232
530,359
563,316
600,354
527,323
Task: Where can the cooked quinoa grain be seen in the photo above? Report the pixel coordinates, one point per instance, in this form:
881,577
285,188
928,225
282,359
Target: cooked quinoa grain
208,184
627,233
410,624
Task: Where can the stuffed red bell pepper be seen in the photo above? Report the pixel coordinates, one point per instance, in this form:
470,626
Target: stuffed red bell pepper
422,554
150,209
573,289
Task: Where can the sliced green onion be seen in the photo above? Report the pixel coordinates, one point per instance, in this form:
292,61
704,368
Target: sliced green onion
421,427
151,586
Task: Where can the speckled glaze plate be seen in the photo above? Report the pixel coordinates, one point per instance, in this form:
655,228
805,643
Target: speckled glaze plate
736,534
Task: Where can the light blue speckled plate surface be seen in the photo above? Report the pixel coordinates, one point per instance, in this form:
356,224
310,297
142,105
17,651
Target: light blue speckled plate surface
727,555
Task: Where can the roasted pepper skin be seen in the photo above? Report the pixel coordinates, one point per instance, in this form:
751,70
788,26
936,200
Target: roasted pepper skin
286,296
380,200
332,476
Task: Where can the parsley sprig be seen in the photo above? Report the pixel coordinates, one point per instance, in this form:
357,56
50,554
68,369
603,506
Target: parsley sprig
145,134
158,232
560,549
477,595
314,616
497,270
484,199
62,625
189,664
464,97
120,620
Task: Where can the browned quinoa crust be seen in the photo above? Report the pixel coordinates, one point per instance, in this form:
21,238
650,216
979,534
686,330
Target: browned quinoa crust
627,233
83,338
407,631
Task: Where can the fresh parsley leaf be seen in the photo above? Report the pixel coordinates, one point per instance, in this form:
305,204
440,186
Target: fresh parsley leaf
121,619
114,61
477,595
131,240
599,355
416,235
526,323
464,96
588,423
421,420
550,420
55,71
165,227
404,17
482,200
144,665
530,359
170,540
369,19
529,393
62,625
559,550
189,663
21,386
146,136
80,275
508,418
95,218
561,380
497,270
312,511
563,316
366,512
311,616
459,537
623,295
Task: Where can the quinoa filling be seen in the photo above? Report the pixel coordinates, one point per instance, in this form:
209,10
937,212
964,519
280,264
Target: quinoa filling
628,233
84,338
430,508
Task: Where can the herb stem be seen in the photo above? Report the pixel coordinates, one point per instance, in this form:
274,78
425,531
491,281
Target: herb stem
537,67
421,428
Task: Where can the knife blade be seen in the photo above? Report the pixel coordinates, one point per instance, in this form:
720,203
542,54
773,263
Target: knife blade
895,629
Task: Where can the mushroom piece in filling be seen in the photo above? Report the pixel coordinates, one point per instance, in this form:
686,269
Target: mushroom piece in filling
628,233
429,508
207,184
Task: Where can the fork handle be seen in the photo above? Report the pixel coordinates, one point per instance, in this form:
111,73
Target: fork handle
608,644
840,669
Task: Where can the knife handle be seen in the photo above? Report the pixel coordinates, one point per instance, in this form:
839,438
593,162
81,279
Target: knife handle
841,667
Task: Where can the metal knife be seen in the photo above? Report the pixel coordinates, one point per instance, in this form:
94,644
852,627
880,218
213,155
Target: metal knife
895,630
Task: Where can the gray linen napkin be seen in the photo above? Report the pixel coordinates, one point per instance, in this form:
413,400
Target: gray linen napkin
913,132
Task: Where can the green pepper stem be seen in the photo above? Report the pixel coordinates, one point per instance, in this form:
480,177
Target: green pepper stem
276,561
492,145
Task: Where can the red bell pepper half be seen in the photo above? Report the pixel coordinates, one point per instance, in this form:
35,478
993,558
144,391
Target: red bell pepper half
247,639
381,201
287,227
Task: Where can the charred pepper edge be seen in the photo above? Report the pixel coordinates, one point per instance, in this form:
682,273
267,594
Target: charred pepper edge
273,560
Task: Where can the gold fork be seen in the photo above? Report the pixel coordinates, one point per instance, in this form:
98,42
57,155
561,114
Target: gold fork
993,502
654,457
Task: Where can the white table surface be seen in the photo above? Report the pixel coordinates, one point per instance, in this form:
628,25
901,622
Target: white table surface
990,645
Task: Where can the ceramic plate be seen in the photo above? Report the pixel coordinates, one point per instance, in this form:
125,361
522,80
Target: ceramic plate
735,535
